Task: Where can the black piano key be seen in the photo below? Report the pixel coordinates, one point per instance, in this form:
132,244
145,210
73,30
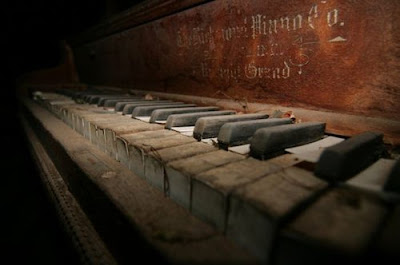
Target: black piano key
130,107
80,95
189,119
88,96
110,103
104,99
269,142
162,114
208,127
393,181
94,99
121,104
236,133
343,160
147,110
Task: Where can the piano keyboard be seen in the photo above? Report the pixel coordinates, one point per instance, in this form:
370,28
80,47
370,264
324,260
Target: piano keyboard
285,191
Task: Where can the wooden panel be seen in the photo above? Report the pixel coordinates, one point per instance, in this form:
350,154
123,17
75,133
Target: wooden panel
339,56
138,14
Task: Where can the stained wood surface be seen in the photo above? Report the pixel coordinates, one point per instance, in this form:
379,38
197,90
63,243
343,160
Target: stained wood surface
324,55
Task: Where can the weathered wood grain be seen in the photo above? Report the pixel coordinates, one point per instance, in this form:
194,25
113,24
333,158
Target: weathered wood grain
343,53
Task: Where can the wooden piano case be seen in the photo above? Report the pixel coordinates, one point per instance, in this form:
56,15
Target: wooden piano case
331,61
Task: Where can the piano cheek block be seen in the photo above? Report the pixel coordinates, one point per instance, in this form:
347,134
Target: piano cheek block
268,142
349,157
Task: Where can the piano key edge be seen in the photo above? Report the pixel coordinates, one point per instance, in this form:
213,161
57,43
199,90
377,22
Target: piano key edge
124,210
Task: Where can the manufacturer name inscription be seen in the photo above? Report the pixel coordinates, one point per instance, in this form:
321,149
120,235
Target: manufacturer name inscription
260,46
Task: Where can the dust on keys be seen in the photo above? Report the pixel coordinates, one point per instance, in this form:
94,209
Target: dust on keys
285,191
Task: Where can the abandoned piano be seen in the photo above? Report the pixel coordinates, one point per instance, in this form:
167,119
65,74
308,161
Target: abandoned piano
226,132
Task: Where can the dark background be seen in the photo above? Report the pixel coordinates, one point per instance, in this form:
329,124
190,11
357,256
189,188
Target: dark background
32,33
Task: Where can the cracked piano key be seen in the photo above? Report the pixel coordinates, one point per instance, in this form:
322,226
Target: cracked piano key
336,228
208,127
155,161
85,121
269,142
189,119
258,209
99,128
163,114
80,124
239,133
119,107
94,124
73,113
211,189
123,141
345,159
140,149
142,111
112,131
180,172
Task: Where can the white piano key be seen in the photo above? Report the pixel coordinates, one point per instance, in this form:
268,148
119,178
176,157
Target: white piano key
62,102
312,151
375,176
240,149
183,129
161,122
143,118
187,133
210,140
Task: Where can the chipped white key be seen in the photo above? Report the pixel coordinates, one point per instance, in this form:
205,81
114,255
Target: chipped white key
143,118
240,149
375,176
312,151
210,140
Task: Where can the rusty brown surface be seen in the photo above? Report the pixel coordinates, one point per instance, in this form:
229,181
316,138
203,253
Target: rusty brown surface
340,56
139,14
